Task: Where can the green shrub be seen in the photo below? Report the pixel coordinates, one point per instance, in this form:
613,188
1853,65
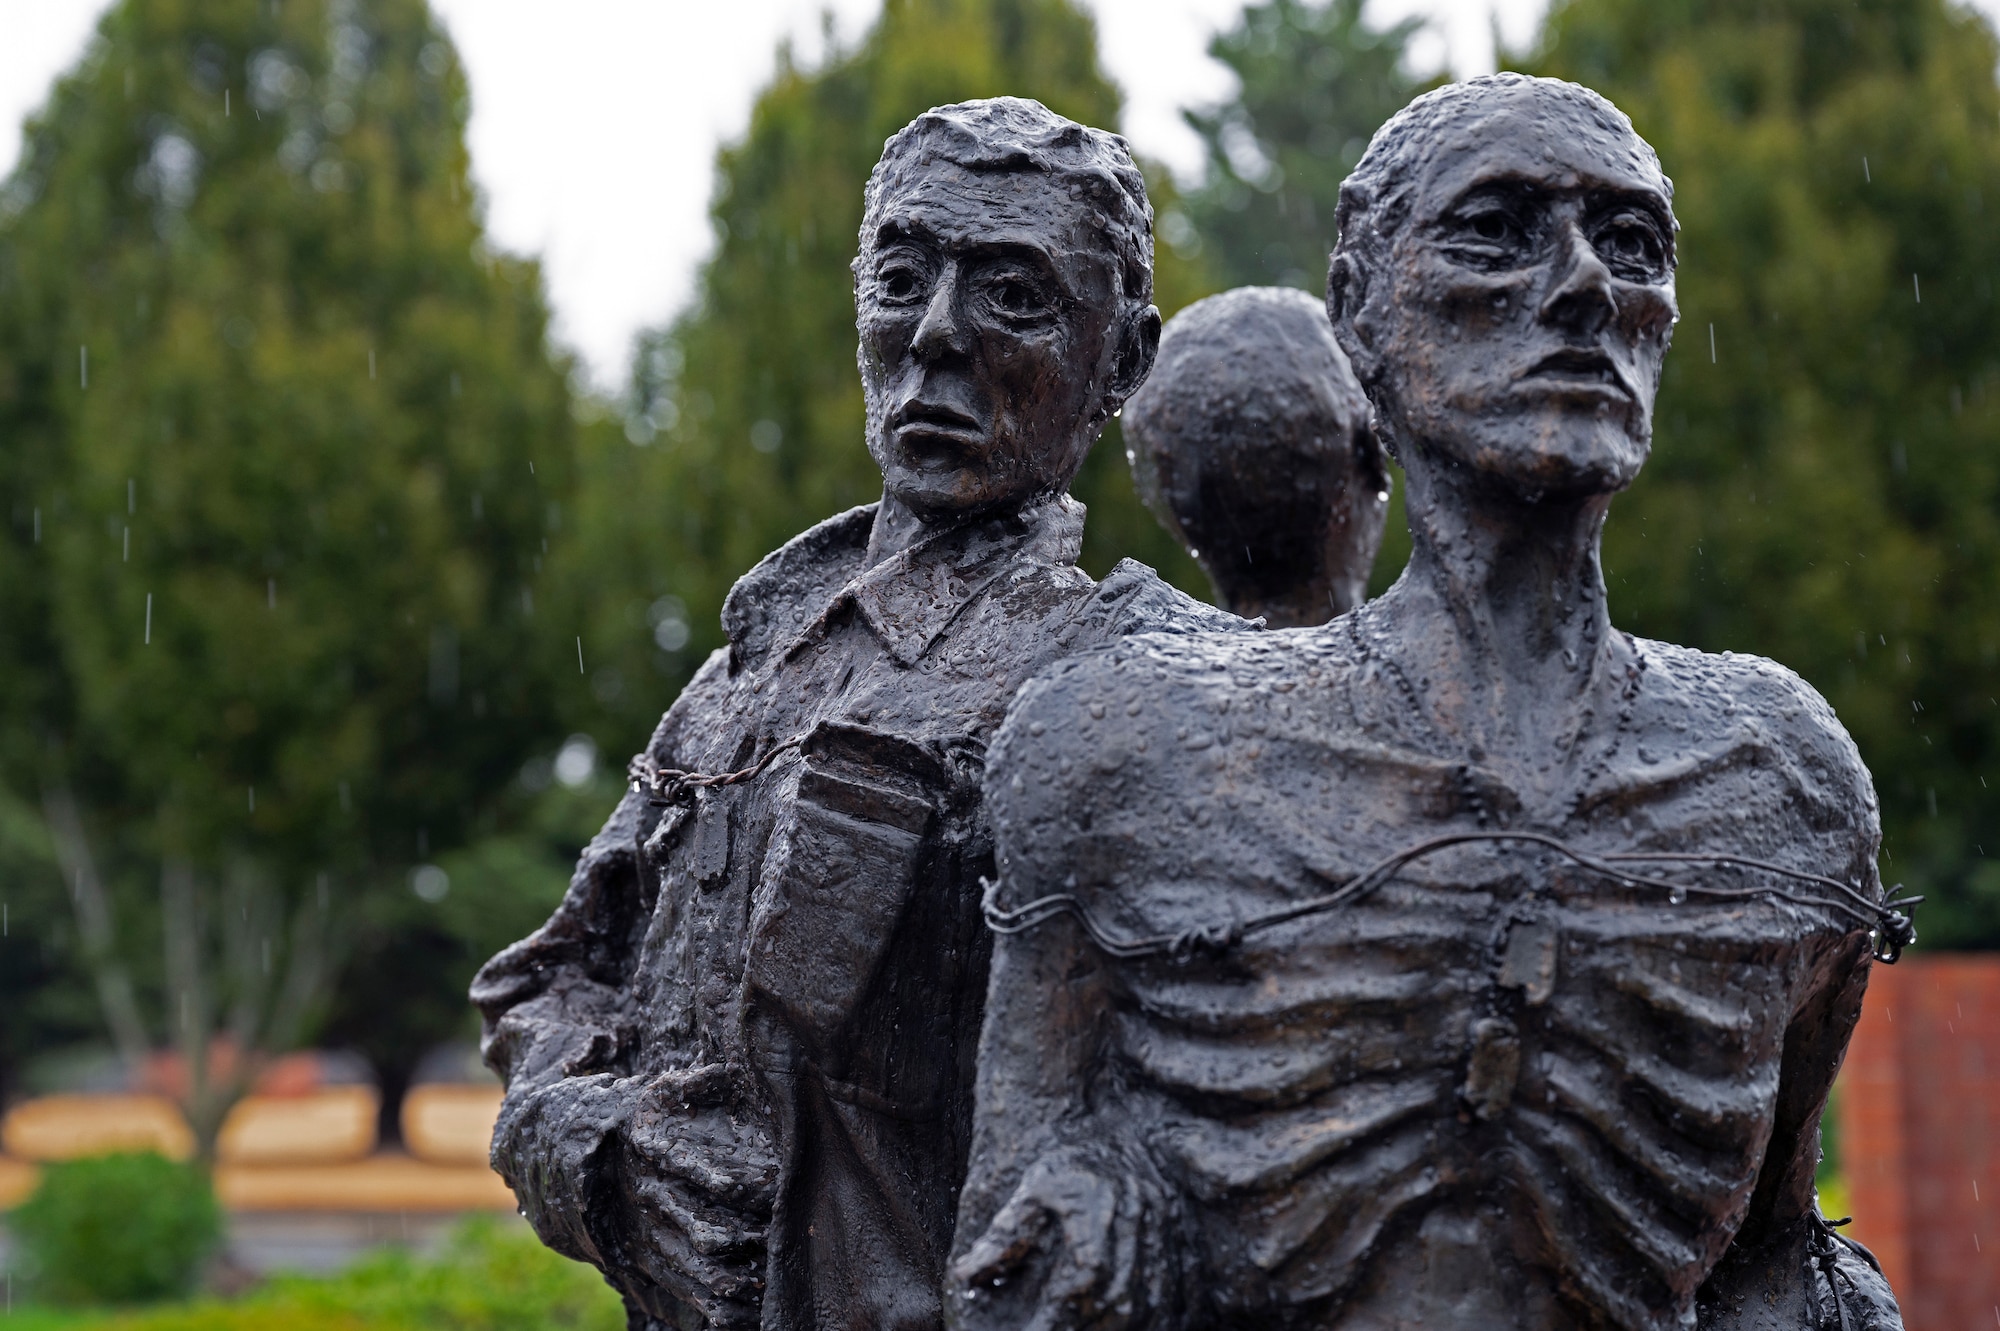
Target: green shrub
490,1277
117,1229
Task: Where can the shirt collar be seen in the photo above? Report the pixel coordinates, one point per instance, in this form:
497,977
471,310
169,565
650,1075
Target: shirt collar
912,597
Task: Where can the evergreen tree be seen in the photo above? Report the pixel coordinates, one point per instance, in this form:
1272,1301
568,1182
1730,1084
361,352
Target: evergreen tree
1825,481
283,448
746,418
1314,83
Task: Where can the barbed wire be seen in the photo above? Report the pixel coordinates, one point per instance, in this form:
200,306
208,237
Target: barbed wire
1890,922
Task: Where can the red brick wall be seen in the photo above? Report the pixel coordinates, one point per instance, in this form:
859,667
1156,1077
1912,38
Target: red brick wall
1920,1136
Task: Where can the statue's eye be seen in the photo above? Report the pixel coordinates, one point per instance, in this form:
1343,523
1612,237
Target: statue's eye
1016,294
900,282
1015,297
1488,237
1632,247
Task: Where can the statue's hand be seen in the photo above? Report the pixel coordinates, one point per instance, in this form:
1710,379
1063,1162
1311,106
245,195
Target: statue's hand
1084,1244
699,1182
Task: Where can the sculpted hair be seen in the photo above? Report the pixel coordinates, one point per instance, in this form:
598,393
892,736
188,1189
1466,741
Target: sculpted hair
998,134
1375,200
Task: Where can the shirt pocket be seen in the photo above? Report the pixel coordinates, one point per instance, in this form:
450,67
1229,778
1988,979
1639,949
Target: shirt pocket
845,853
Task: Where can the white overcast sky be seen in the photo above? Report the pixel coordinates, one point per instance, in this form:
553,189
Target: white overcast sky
595,122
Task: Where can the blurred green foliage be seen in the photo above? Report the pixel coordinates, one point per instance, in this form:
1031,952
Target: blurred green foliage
284,447
1825,480
1314,83
489,1277
122,1228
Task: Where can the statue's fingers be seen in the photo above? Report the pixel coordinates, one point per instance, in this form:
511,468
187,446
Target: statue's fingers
1015,1235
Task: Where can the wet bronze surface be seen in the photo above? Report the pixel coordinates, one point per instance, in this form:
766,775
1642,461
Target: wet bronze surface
1463,962
1251,443
739,1056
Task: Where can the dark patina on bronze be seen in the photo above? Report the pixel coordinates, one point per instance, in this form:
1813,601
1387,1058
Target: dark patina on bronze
739,1057
1463,962
1251,443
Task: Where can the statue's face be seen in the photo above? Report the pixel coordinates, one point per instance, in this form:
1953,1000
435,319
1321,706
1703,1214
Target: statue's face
989,308
1530,303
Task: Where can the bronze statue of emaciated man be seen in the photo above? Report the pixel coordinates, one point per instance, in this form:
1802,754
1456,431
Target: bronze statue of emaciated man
1464,962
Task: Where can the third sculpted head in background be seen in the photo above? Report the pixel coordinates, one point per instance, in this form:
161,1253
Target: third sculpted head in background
1251,443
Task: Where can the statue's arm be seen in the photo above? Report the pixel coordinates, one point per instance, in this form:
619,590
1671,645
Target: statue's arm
649,1178
1787,1267
557,1027
1066,1219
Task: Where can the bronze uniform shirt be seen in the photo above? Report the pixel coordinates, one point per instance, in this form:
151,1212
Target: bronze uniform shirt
739,1057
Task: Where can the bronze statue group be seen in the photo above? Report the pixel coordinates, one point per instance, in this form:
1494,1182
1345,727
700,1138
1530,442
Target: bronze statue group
983,945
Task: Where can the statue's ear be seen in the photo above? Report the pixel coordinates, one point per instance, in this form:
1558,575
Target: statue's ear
1346,307
1138,347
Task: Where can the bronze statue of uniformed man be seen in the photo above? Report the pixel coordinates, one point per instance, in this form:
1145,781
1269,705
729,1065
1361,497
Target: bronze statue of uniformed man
739,1056
1463,962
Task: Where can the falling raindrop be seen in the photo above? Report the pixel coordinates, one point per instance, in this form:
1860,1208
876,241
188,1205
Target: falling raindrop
1866,178
1917,284
149,619
579,655
83,366
1678,895
225,113
253,799
126,544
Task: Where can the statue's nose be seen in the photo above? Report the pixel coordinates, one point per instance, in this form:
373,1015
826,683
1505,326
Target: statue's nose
1583,300
941,332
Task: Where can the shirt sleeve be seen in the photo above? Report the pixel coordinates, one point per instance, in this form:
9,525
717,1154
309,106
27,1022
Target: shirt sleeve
588,1147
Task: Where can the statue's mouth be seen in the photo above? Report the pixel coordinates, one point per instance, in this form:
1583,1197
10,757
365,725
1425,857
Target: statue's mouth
933,431
1573,369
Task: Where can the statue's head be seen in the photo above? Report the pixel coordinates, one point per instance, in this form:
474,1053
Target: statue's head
1003,296
1504,285
1251,443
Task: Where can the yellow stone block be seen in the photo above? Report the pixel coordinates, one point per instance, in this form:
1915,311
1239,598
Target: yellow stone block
67,1127
329,1125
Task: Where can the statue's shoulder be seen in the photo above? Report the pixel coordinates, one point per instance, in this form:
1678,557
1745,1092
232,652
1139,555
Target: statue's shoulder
1768,715
1140,716
1134,598
771,599
1144,777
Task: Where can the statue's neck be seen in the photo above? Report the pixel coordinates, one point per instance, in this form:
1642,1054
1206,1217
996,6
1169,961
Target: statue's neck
896,529
1502,607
